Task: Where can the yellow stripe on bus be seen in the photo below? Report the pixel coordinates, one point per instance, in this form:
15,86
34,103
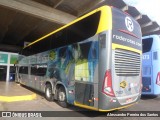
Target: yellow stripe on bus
105,22
101,110
85,106
114,46
116,108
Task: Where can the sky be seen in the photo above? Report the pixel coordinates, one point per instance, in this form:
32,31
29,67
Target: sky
147,7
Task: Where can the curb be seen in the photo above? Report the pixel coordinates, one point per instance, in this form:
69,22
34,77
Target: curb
17,98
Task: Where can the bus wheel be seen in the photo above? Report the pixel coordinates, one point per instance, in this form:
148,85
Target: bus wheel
62,99
48,92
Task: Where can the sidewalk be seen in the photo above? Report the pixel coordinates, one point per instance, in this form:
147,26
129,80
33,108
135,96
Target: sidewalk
11,92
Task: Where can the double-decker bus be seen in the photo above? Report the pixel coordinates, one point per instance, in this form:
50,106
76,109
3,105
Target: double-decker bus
93,62
151,65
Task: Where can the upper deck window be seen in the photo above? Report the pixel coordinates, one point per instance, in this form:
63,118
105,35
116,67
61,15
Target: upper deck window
74,33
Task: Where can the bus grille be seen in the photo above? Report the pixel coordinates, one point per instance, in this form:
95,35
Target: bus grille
127,63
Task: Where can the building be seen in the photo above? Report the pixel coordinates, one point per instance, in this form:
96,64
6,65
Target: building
7,68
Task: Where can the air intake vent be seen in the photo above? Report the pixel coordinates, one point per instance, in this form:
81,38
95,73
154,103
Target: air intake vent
127,63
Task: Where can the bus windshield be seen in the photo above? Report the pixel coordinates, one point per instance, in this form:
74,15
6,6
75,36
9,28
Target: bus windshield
147,44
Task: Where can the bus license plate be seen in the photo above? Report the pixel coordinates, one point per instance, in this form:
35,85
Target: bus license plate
129,100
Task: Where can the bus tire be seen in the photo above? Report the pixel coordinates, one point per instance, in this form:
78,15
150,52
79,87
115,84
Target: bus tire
48,92
62,98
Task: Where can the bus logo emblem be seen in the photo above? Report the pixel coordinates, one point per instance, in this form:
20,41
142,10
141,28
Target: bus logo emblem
129,24
52,55
123,84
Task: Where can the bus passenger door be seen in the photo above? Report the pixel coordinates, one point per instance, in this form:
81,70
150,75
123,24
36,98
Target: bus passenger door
23,74
147,73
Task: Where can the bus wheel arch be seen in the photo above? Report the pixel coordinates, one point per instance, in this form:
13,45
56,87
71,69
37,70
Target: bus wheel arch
61,95
48,91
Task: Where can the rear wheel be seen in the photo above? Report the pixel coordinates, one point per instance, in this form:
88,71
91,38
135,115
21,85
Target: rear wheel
48,92
62,98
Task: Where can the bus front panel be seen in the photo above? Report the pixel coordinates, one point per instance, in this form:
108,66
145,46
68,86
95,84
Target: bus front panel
150,65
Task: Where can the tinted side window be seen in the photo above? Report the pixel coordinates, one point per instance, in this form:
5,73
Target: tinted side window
33,70
41,71
83,29
38,47
23,70
38,70
147,44
77,32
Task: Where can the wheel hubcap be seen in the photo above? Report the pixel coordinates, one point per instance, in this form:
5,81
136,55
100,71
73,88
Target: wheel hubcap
61,96
48,92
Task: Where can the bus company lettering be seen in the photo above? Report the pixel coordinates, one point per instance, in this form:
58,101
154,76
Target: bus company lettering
126,40
129,24
42,58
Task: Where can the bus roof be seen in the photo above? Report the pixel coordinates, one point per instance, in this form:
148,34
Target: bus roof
67,25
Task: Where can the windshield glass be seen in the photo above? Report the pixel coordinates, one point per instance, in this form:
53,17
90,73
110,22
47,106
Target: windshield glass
147,44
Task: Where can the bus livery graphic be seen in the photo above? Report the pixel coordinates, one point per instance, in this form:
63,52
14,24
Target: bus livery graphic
93,62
